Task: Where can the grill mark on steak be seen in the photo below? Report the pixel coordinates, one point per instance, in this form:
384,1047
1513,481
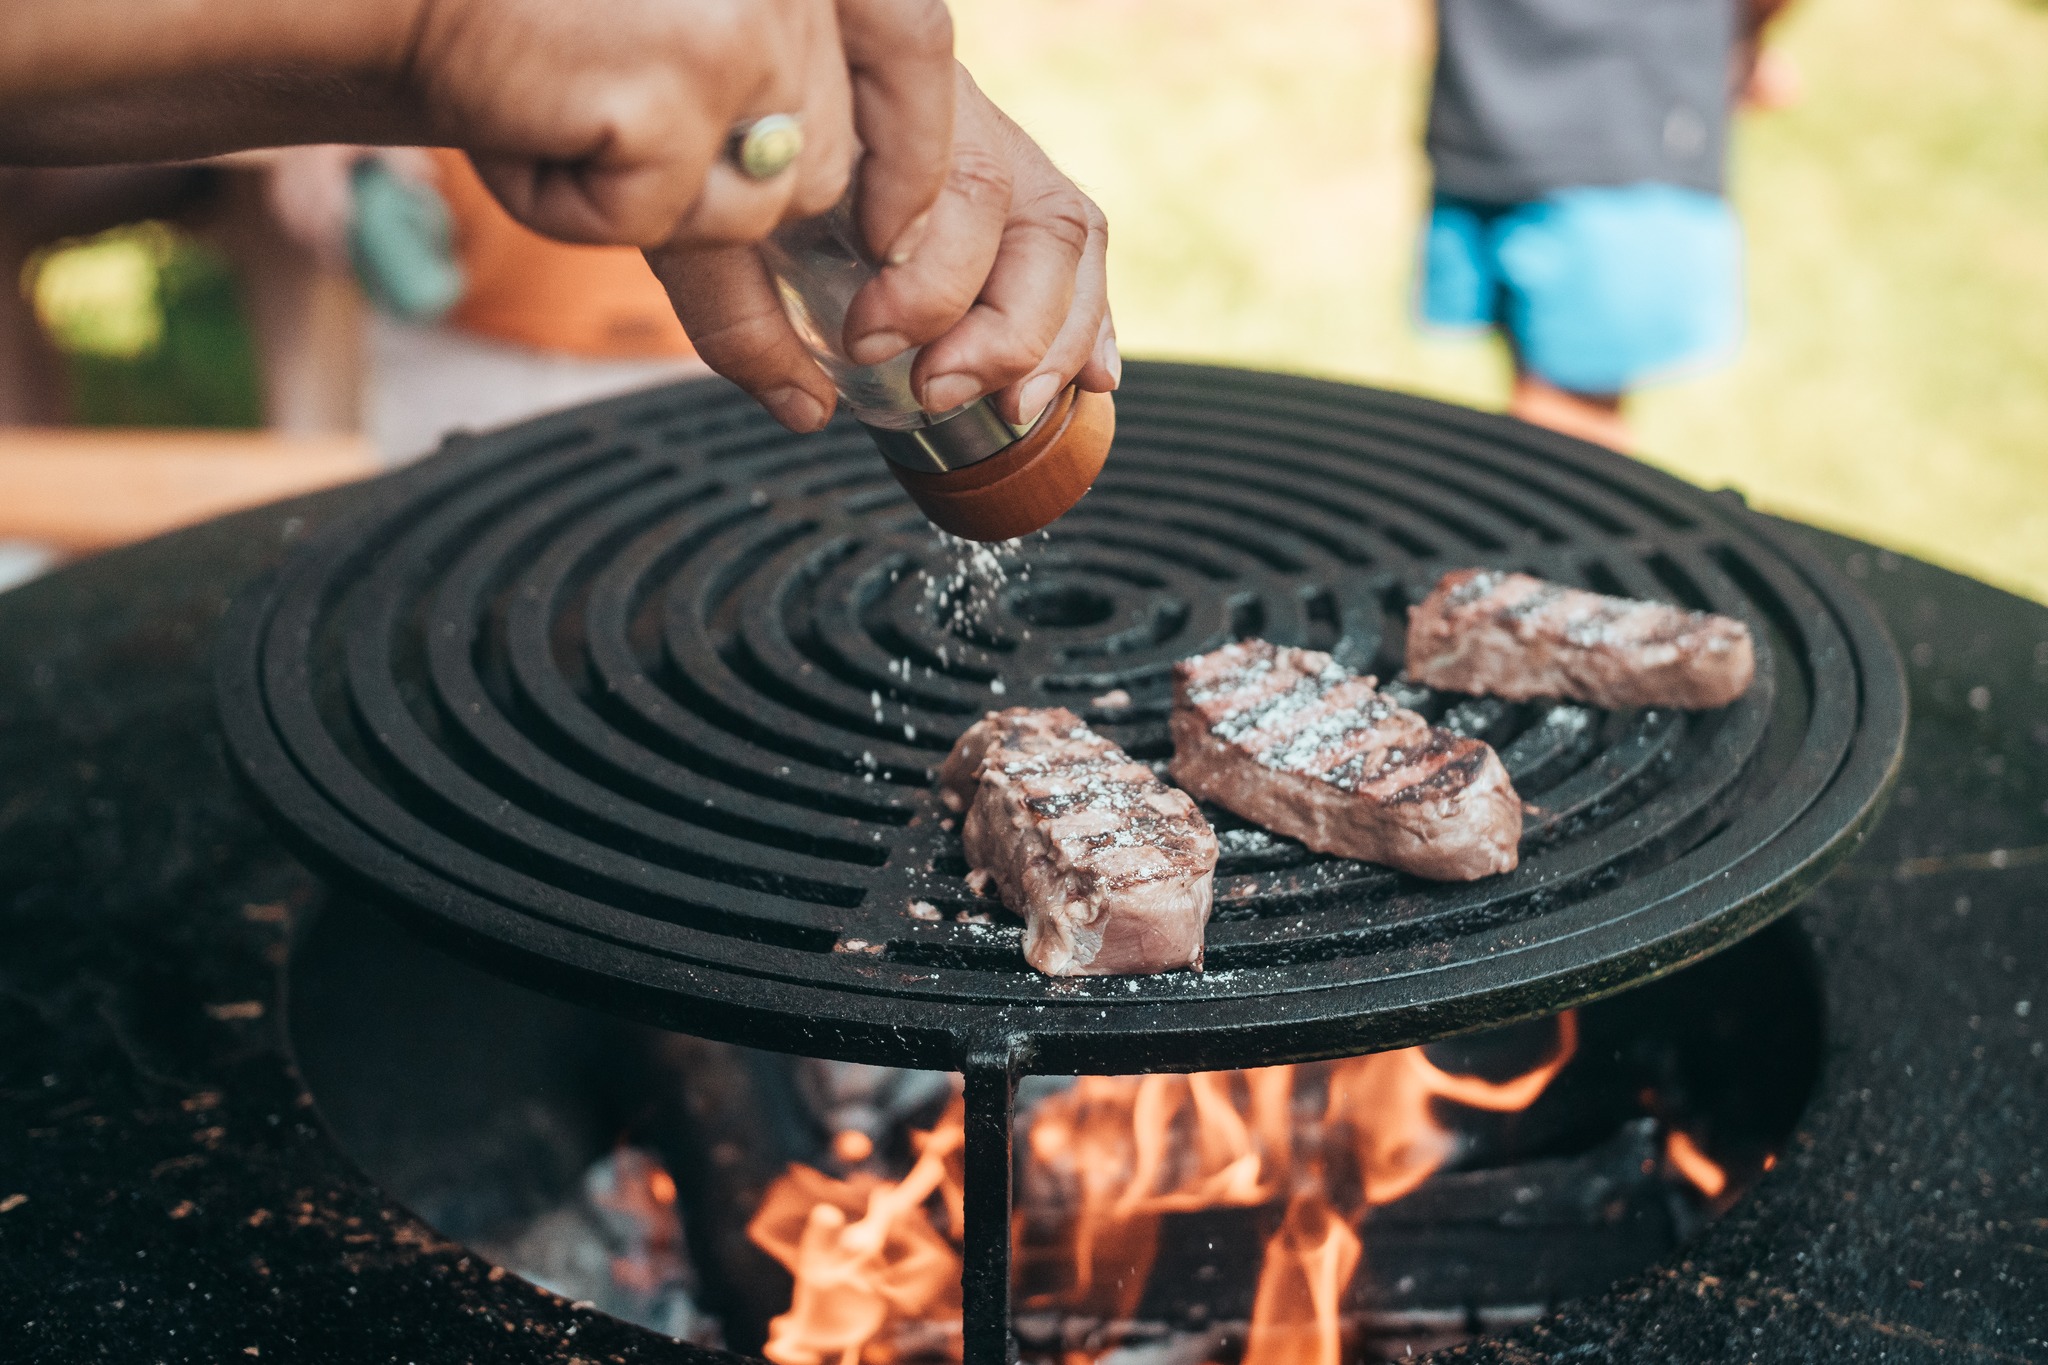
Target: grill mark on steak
1516,636
1111,869
1290,739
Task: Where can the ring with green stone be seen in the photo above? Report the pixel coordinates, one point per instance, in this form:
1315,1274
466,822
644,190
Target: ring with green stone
766,147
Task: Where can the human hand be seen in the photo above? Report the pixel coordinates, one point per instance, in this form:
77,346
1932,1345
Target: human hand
594,125
612,127
1007,292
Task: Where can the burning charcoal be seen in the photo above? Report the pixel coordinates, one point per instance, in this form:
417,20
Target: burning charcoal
726,1121
877,1102
1513,635
1289,739
619,1245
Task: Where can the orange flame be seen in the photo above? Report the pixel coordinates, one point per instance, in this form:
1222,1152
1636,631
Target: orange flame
859,1276
1111,1156
1309,1263
1695,1165
1385,1101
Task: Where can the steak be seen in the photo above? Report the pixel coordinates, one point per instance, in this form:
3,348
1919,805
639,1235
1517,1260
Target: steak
1293,741
1112,870
1516,636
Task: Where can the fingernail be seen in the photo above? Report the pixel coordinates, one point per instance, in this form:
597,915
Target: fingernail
794,408
1035,395
876,347
943,393
1109,358
908,240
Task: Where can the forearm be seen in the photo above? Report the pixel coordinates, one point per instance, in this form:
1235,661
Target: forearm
195,77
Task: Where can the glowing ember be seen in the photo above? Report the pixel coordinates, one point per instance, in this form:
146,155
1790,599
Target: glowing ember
645,1194
1695,1165
852,1146
1111,1156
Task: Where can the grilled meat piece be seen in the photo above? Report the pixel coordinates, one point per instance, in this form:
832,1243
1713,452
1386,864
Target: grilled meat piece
1516,636
1293,741
1111,869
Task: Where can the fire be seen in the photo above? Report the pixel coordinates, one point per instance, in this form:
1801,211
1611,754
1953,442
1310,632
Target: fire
1385,1101
1695,1165
1105,1161
637,1186
1296,1316
865,1253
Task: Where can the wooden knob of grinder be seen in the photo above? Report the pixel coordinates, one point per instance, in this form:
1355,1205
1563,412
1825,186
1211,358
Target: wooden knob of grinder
1027,486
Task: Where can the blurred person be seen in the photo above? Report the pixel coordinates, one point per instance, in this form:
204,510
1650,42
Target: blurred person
613,130
1579,152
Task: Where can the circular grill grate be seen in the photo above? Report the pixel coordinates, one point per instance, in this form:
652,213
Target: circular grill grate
640,703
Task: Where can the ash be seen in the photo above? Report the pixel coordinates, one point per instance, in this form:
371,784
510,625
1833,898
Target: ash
618,1245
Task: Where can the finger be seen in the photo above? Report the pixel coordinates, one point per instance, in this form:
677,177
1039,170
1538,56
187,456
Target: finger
900,56
830,145
1104,372
729,307
921,299
1027,298
1080,339
736,209
651,167
640,165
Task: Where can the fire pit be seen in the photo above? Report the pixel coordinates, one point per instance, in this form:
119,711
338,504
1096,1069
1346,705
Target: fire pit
172,1190
1440,1192
639,705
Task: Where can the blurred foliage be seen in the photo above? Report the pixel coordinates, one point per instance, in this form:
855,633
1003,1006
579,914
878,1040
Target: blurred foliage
99,297
1261,169
151,329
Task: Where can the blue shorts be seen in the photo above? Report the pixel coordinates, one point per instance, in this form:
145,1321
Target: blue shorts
1598,288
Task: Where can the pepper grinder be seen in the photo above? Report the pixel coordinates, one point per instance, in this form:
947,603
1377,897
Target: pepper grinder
970,470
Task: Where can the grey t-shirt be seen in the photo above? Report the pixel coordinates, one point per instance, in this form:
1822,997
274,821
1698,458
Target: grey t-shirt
1539,95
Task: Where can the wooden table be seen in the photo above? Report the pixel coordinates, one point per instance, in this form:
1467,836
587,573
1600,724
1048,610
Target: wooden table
84,489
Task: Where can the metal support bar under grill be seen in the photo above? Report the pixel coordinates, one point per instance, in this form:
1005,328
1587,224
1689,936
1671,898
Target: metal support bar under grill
991,1075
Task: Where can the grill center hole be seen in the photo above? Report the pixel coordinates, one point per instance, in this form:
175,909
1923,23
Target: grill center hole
1065,604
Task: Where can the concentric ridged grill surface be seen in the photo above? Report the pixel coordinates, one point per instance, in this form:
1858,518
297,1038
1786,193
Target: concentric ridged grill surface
641,702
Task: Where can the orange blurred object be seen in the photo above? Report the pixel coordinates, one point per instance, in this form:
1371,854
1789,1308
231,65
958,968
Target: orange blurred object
852,1146
595,301
86,488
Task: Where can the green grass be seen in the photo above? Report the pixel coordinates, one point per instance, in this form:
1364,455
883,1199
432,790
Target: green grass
1260,169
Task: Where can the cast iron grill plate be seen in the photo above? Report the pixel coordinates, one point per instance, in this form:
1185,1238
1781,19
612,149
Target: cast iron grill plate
640,703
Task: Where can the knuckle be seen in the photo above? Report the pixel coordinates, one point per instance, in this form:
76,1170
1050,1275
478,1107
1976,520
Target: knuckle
723,36
1010,355
750,344
900,30
979,176
1064,216
925,29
